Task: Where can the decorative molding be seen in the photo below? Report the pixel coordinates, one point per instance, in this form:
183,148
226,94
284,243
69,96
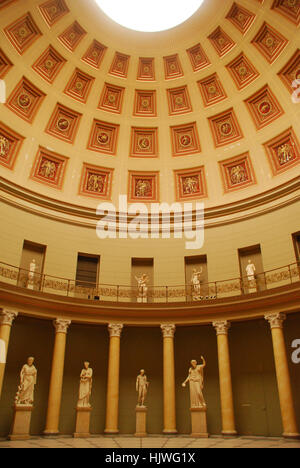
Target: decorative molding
291,71
79,85
168,330
63,123
190,184
61,325
179,100
221,41
49,64
211,90
53,10
146,70
264,108
25,100
172,67
225,128
111,99
275,320
103,137
49,168
22,33
269,42
290,9
144,142
237,172
283,151
71,37
240,17
143,186
7,316
5,64
185,139
120,65
222,327
94,55
242,71
115,329
145,103
96,181
10,145
198,57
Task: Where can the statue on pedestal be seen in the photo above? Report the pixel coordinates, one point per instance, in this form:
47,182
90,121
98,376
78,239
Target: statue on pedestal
250,270
195,280
25,393
196,380
142,287
142,385
32,268
85,386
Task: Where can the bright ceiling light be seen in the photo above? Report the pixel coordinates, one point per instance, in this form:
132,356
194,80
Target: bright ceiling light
149,15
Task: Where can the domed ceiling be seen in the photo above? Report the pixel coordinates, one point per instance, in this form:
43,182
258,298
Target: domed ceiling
208,110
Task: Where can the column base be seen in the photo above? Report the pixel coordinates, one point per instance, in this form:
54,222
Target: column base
199,423
111,431
170,431
291,435
229,434
140,421
21,422
83,416
50,433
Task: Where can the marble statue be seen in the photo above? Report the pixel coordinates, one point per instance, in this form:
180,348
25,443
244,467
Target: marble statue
85,386
250,270
32,268
142,287
196,380
25,393
195,280
142,385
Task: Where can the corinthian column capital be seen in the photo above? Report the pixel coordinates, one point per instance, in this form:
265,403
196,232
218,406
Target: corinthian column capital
7,316
276,320
168,330
61,325
115,329
222,327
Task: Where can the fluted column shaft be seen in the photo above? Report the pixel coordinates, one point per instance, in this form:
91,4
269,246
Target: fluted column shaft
288,416
168,331
7,317
56,379
227,409
112,396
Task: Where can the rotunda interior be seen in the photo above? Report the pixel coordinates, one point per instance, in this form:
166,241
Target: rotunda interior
150,195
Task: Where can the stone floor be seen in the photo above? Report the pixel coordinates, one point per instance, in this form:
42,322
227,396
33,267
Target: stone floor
123,442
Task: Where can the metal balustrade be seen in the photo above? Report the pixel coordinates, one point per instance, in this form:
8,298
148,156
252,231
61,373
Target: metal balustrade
22,278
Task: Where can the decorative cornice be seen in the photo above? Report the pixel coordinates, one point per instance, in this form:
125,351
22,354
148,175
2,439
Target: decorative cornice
7,316
168,330
276,320
222,327
61,325
115,329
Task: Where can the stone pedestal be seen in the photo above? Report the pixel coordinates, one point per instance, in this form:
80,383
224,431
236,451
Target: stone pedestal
199,424
83,417
141,417
21,422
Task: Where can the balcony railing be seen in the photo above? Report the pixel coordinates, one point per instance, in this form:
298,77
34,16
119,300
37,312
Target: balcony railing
118,293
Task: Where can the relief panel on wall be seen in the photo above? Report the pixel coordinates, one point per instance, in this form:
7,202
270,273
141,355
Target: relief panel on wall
143,186
172,67
237,172
25,100
179,100
144,142
185,139
49,64
120,64
10,144
225,128
96,181
263,107
145,103
146,70
291,71
198,57
242,71
269,42
94,55
23,32
49,168
221,41
5,3
190,184
288,8
103,137
111,99
71,37
53,10
79,85
63,123
283,151
211,90
240,17
5,64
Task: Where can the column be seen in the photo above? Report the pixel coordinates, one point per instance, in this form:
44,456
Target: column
112,397
227,411
57,373
168,331
283,377
7,317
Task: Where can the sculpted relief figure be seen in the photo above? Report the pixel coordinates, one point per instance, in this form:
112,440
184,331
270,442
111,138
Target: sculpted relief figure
25,393
196,381
142,282
142,385
85,386
195,280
